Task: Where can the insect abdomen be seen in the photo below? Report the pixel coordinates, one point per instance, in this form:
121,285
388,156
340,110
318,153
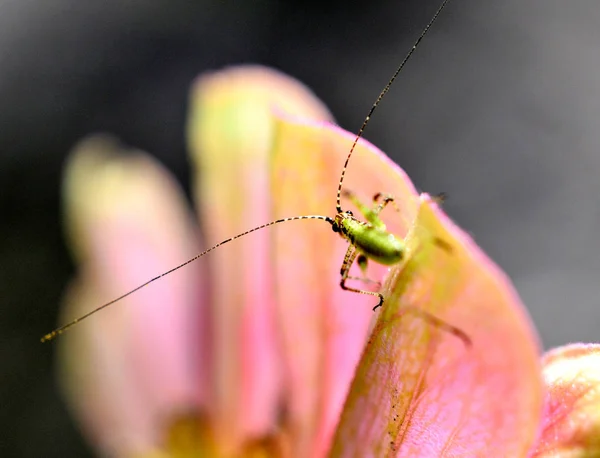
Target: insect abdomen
381,247
378,245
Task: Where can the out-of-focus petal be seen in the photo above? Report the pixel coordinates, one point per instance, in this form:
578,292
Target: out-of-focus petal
129,369
231,132
420,391
324,328
571,425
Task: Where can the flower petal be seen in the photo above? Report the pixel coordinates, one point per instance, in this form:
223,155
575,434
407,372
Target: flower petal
571,426
231,132
324,327
420,391
127,370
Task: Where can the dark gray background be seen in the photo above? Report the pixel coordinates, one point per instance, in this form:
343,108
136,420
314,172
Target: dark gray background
500,108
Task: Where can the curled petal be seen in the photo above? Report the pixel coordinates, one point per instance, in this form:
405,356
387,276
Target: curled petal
571,425
128,370
424,390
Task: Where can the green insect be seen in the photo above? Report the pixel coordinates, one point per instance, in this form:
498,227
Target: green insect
369,239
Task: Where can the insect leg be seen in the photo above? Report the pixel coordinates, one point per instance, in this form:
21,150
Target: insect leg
438,323
370,214
352,254
349,258
440,198
388,198
385,200
362,262
366,211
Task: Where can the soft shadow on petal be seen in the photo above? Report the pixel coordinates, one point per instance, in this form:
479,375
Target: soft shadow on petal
571,425
231,132
420,391
127,370
324,328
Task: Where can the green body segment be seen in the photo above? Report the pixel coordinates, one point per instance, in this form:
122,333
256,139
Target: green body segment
374,242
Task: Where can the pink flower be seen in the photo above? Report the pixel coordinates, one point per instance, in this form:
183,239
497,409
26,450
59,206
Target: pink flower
254,350
571,424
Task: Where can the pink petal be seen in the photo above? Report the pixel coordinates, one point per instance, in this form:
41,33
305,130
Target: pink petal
420,391
231,132
324,327
129,369
571,425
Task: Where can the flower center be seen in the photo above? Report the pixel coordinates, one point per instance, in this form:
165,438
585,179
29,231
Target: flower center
191,436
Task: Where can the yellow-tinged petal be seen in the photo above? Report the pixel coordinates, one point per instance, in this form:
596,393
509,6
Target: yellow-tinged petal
420,391
231,132
131,368
285,338
571,426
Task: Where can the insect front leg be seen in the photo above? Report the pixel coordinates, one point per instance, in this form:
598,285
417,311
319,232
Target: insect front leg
349,259
367,212
388,198
362,262
382,200
371,214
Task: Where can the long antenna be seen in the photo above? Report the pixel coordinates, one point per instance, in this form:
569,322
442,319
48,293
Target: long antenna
338,205
61,329
51,335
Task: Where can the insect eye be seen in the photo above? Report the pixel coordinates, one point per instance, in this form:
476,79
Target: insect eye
335,227
349,213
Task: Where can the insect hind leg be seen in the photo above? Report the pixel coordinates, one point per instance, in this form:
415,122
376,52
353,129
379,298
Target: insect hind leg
351,256
438,323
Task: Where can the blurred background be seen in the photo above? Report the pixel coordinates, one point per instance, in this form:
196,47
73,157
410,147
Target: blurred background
499,108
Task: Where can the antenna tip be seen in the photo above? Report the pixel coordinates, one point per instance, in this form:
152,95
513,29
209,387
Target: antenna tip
48,337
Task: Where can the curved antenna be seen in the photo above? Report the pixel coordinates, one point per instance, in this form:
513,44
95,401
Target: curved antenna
338,205
58,331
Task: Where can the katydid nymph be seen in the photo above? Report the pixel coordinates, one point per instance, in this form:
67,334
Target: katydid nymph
369,239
